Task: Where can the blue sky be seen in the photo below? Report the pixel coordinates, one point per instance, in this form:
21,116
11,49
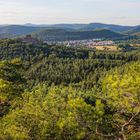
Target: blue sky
125,12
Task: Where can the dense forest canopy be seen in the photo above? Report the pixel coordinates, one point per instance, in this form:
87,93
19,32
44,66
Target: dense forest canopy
57,92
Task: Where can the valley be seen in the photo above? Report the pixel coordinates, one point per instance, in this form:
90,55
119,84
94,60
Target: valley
69,84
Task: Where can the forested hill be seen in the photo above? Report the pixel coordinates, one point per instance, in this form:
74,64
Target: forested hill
9,31
89,27
62,93
50,63
14,30
134,31
115,28
61,34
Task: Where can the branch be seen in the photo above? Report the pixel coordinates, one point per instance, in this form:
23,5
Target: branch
131,119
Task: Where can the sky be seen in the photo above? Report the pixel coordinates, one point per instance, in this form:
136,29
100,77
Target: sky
123,12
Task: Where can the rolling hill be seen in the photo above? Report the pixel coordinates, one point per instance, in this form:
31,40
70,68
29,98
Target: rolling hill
16,30
115,28
134,31
61,34
68,31
85,27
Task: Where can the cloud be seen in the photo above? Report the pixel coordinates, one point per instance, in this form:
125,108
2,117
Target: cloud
58,11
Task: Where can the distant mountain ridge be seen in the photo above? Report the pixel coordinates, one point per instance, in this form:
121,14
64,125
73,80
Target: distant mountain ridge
112,27
20,30
90,26
17,30
134,31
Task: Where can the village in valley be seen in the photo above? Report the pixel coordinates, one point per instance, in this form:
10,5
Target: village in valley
99,44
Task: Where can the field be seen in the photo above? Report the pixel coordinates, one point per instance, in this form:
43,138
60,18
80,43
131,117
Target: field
109,48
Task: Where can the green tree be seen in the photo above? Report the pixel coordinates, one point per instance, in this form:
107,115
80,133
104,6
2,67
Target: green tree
121,90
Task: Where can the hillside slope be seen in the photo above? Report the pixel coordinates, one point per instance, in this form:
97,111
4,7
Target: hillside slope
70,31
13,30
112,27
134,31
61,35
86,27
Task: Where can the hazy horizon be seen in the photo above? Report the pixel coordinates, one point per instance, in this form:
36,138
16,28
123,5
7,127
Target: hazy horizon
20,12
41,24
